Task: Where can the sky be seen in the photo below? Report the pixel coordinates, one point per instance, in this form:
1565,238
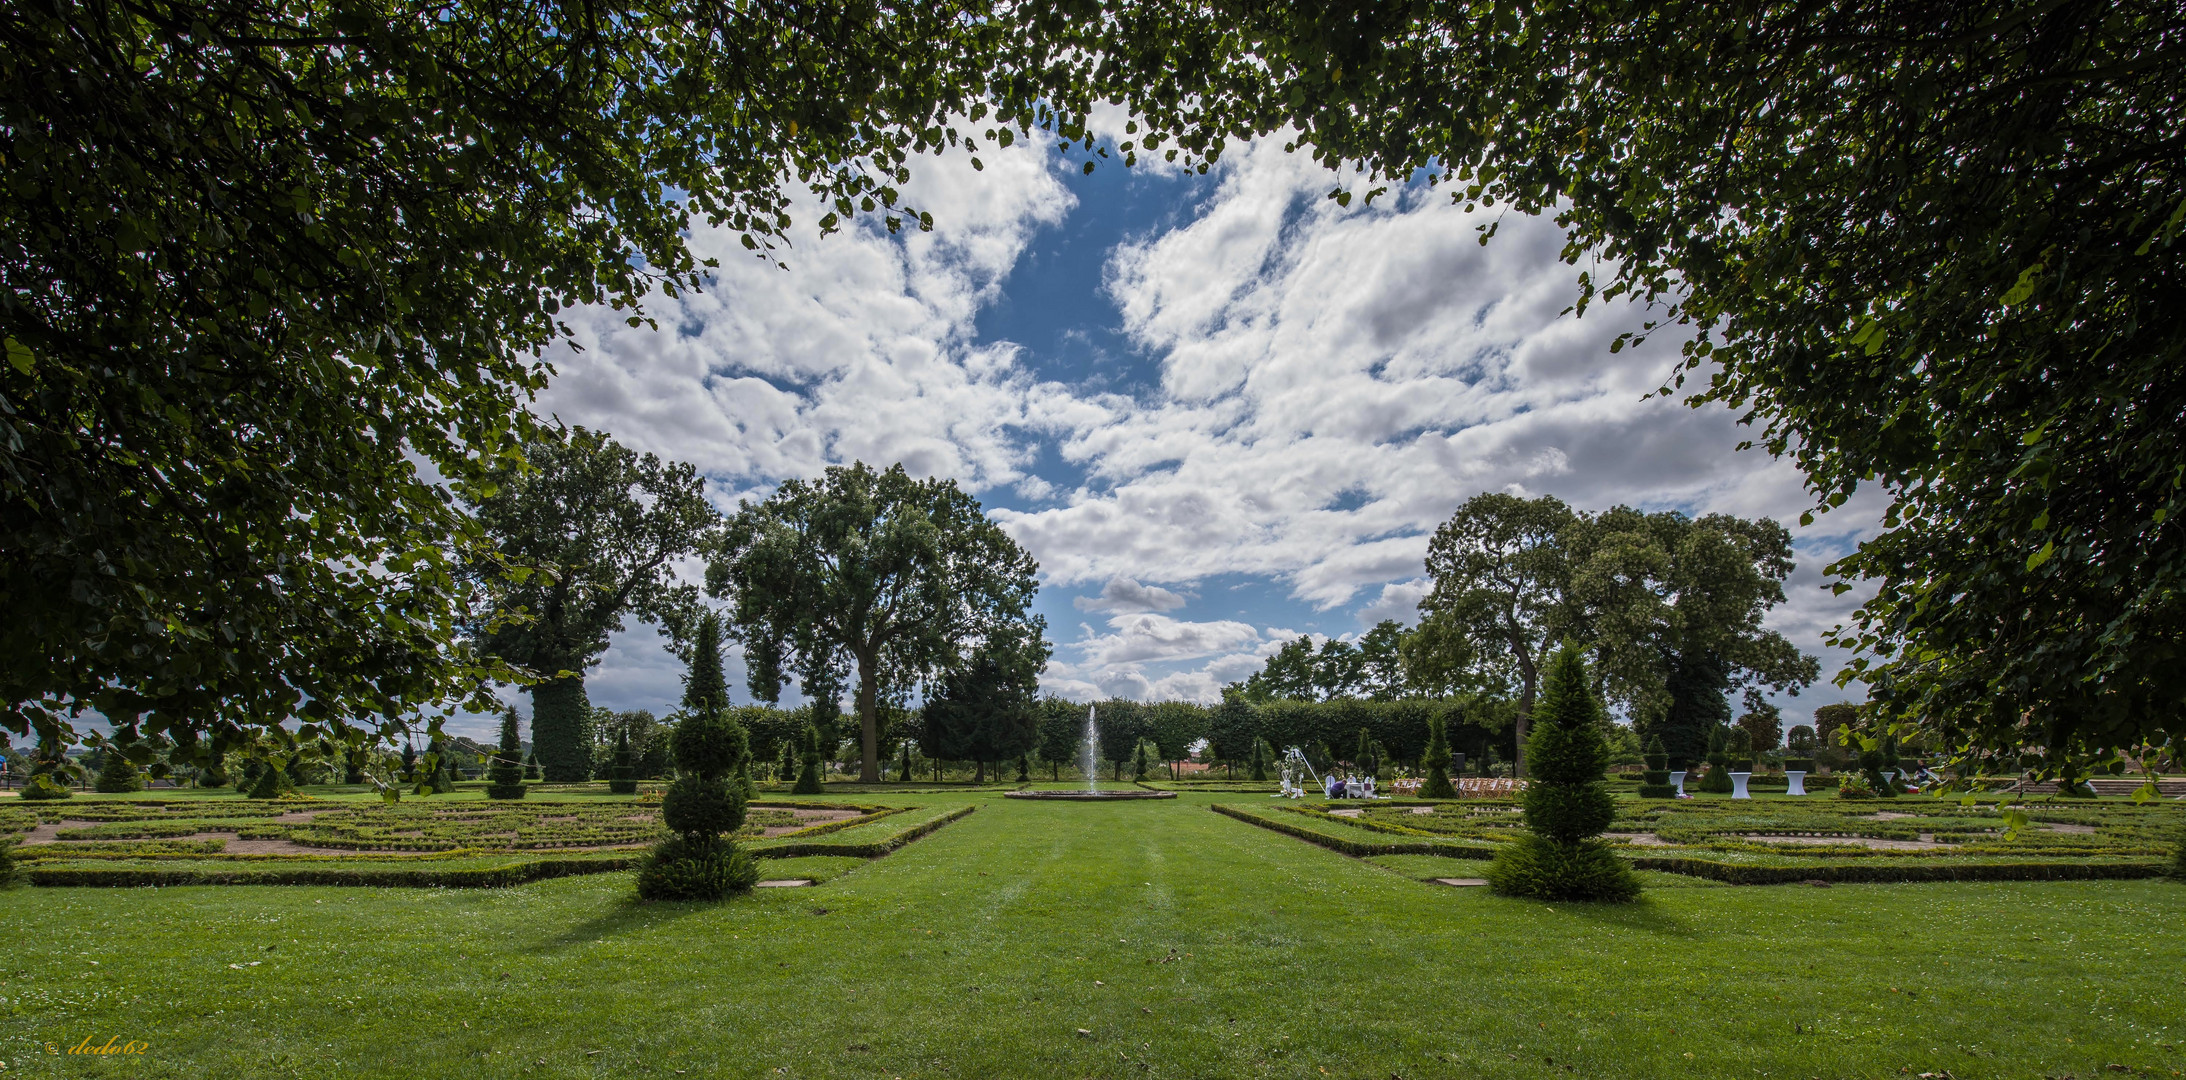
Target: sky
1221,410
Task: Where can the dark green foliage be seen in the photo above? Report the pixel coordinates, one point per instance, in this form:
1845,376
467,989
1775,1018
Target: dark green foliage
1655,782
353,766
1763,724
531,766
815,572
1741,750
1138,762
2178,861
7,860
986,711
214,774
505,777
265,780
1263,759
809,780
1567,803
1024,768
785,770
903,768
1717,780
699,863
441,779
561,731
118,775
1062,730
1800,741
43,786
1437,761
622,773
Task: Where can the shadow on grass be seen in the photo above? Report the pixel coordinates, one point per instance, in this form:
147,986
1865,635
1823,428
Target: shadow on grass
627,914
1645,914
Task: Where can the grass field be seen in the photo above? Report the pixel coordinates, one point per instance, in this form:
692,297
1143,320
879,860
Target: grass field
1070,940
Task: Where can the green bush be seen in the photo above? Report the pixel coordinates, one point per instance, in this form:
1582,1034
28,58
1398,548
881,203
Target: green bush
2178,861
267,781
7,861
1717,780
531,766
706,800
118,775
1799,764
505,778
1655,782
1567,804
808,776
43,786
622,773
1854,786
1437,761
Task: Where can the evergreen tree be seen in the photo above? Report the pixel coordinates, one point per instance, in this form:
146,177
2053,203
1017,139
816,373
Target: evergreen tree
1437,761
699,862
1362,758
1718,778
1138,764
904,773
440,780
353,766
622,772
531,766
409,764
214,774
785,770
1655,782
505,778
1567,804
266,780
809,778
118,775
1024,768
1261,760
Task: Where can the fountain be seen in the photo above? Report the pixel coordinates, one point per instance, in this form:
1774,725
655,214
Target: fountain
1089,759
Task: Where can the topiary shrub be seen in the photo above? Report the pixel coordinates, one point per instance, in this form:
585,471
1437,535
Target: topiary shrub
903,770
1717,780
505,778
1567,804
785,770
1262,757
531,766
622,770
1437,761
119,775
44,786
808,776
1655,782
699,862
267,781
1024,768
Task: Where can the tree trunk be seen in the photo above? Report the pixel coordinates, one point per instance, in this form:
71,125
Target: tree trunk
869,719
1526,675
560,721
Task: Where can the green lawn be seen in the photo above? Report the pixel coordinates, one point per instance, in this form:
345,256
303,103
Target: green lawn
1069,940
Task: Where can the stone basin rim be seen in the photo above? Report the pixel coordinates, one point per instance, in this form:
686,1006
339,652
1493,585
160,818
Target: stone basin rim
1089,796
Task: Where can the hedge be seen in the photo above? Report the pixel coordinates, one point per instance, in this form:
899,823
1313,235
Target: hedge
1737,874
369,876
872,849
1350,846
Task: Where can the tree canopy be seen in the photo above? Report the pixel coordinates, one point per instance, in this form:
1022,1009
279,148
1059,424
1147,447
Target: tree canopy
986,710
895,579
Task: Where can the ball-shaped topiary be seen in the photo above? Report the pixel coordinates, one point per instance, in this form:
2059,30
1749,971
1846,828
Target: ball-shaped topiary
706,801
708,746
685,869
1567,804
1437,760
43,786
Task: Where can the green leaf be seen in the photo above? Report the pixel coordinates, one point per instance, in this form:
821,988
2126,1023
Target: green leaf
2042,556
19,355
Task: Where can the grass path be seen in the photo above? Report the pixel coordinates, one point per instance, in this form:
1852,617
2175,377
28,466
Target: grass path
1181,942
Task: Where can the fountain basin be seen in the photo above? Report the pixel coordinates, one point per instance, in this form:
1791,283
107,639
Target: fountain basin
1090,796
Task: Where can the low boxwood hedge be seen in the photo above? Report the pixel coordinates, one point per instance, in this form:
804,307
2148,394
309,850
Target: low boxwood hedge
1938,870
1303,830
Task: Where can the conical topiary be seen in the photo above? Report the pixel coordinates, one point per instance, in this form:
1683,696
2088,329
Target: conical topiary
118,775
268,780
441,781
808,776
531,766
622,770
699,862
903,772
1437,761
1138,762
505,778
1567,804
1024,768
1655,782
1260,760
1717,781
785,770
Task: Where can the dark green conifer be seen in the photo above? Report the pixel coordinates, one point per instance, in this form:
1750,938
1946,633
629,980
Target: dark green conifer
1567,803
904,771
785,770
809,780
531,766
117,774
1437,762
505,778
1655,782
704,807
622,770
1718,778
267,780
1741,751
1262,758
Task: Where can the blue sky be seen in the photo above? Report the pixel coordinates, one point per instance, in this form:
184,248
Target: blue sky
1220,410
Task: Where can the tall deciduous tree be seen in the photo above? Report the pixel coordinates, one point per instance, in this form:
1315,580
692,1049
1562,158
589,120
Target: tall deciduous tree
584,533
894,579
1500,597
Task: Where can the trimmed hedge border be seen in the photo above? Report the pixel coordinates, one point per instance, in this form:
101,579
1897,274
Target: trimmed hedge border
872,850
383,876
1349,846
1855,873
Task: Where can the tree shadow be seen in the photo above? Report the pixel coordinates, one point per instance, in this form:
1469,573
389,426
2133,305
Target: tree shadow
1644,914
625,915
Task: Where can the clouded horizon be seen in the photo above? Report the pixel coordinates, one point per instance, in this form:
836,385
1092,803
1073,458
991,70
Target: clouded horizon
1221,410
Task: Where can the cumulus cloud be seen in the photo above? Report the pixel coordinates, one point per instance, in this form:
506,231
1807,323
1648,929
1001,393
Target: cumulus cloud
1125,595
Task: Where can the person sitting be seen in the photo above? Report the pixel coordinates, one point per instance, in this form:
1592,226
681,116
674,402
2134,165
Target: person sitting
1335,787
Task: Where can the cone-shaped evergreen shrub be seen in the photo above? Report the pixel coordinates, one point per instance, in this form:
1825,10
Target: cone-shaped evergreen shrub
1741,751
744,780
442,780
353,767
808,776
266,780
1717,781
1024,768
214,775
531,766
1138,763
118,775
1437,761
1655,782
622,770
903,770
698,862
1260,760
1567,804
505,778
785,770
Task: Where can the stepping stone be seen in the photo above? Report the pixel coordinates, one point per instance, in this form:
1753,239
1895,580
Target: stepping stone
786,883
1458,881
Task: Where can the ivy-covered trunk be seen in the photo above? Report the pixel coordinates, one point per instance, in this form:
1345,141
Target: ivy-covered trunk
561,736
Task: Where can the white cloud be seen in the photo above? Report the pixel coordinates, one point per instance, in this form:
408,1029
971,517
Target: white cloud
1125,595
